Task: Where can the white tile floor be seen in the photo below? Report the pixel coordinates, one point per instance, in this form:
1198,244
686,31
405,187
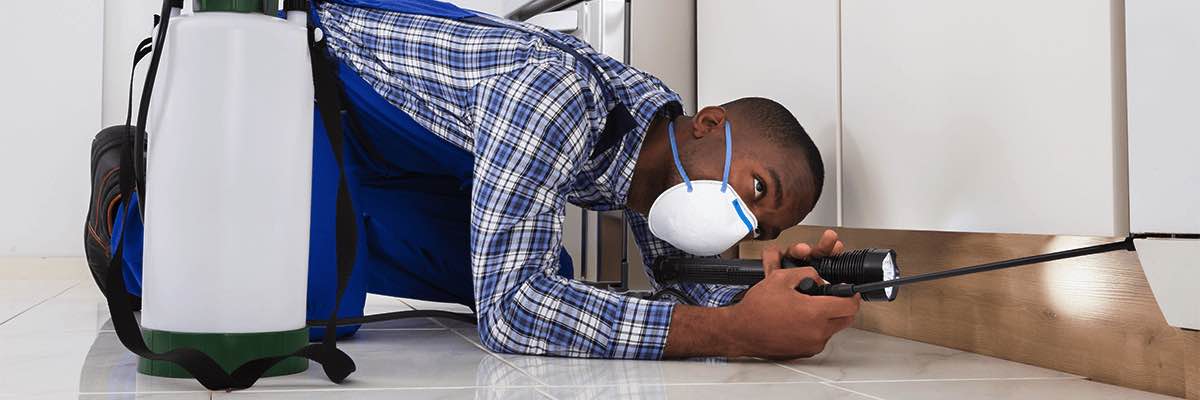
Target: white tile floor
56,342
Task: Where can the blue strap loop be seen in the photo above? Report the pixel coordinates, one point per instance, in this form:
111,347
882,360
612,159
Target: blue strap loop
737,206
675,152
728,157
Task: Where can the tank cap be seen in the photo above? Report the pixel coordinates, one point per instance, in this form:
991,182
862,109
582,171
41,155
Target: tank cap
269,7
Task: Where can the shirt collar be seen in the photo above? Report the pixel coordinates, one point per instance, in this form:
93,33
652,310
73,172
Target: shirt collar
645,108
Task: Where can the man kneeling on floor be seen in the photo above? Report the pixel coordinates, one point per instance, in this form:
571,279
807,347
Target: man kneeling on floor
468,136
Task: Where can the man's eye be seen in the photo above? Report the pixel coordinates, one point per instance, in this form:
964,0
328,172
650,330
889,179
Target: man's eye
757,233
759,188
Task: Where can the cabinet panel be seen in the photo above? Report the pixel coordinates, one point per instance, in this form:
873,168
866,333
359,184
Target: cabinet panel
983,116
782,50
1163,58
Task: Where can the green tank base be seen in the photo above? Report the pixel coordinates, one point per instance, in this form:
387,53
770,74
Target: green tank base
228,349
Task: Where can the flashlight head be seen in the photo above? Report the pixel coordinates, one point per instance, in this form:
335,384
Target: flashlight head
890,270
859,267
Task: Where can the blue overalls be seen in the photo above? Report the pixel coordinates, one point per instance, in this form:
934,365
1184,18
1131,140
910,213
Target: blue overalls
411,191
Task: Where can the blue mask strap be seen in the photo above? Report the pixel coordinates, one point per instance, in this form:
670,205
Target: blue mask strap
728,157
675,152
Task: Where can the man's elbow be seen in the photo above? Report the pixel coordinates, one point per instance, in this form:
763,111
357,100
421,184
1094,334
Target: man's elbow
493,339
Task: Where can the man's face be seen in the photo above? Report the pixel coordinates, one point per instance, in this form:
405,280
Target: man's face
773,181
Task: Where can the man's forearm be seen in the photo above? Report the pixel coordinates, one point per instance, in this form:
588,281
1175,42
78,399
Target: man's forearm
700,332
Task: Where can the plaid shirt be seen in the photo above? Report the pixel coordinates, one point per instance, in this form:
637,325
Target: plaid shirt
531,114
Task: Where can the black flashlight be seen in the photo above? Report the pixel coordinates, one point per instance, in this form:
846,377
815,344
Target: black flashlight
859,267
852,267
873,273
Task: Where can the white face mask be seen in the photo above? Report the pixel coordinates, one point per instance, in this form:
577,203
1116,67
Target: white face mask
703,218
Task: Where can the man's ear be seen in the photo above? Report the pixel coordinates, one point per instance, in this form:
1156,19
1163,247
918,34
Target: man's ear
707,119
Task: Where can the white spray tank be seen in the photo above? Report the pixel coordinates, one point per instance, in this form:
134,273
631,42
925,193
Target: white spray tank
229,174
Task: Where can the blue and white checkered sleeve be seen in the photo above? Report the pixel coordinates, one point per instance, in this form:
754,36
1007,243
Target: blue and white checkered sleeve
652,247
531,130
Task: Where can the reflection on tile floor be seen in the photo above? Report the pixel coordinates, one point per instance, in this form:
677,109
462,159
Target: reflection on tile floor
795,391
56,342
860,355
391,394
999,389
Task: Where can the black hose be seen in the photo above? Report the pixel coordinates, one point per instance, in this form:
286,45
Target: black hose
366,319
673,292
139,135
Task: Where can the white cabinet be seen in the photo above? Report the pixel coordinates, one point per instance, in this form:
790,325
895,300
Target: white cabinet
782,50
1163,62
941,114
1000,116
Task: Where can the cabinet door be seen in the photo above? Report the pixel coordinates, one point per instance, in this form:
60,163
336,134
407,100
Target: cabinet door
782,50
1003,116
1163,53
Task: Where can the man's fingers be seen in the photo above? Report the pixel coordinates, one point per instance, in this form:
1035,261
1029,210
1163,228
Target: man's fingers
791,277
799,251
838,324
825,246
838,248
837,307
770,260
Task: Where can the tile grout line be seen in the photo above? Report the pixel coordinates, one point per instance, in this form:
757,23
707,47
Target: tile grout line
1048,378
851,391
819,378
77,283
544,393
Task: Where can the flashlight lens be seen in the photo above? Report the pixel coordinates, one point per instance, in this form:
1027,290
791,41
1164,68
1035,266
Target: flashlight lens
889,273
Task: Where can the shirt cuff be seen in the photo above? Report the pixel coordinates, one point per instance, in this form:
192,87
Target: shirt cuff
722,295
641,331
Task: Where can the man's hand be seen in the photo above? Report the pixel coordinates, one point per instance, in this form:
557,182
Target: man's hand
829,245
773,320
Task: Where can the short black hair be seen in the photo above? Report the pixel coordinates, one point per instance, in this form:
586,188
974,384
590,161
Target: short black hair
781,127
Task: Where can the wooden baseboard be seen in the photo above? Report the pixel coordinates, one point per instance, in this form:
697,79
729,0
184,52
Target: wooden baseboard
1093,316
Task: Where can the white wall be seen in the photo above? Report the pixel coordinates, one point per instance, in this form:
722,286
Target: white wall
126,22
494,7
49,110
